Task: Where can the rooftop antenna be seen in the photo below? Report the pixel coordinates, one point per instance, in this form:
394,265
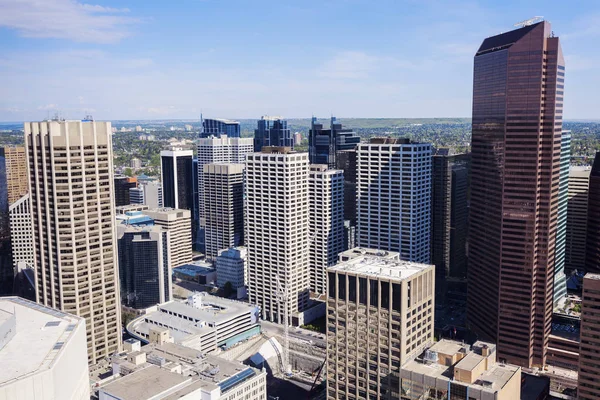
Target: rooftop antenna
529,22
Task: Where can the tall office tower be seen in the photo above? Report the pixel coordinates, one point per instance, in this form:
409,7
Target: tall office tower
122,185
326,226
195,211
272,131
324,144
517,112
579,181
176,176
73,213
232,267
223,206
144,265
592,254
450,212
560,280
276,231
179,225
218,127
346,161
13,186
394,197
21,232
380,315
216,150
588,385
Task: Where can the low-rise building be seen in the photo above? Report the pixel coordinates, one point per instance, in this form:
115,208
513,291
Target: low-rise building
43,352
204,323
201,272
231,267
170,371
451,369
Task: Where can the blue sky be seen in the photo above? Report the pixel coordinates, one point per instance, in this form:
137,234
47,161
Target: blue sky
158,59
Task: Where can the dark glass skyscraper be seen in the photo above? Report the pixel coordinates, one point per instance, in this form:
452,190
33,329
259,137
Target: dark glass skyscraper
177,178
592,254
122,185
272,131
324,144
518,88
218,127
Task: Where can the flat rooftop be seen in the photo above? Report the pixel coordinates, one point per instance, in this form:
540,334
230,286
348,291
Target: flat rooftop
145,384
361,251
447,347
382,267
214,309
41,333
589,275
470,361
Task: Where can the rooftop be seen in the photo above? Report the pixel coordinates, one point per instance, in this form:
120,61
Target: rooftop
41,333
360,251
223,120
145,384
383,267
590,275
505,40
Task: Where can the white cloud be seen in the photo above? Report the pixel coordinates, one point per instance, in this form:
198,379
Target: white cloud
48,107
65,19
348,65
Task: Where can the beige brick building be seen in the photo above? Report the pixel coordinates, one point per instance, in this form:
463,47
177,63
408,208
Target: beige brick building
179,224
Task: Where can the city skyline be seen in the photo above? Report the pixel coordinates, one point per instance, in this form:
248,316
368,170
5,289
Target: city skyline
125,62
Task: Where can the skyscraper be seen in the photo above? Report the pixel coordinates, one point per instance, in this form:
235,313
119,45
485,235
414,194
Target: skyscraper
176,175
579,181
13,187
224,207
144,265
592,254
326,226
179,225
71,188
276,231
560,279
214,150
346,161
324,144
394,197
272,131
449,216
379,316
218,127
122,185
517,122
588,385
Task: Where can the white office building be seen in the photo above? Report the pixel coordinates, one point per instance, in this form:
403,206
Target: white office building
277,232
43,354
394,197
21,232
326,227
231,265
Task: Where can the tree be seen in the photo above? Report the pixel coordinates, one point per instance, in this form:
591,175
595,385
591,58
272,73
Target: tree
128,172
227,289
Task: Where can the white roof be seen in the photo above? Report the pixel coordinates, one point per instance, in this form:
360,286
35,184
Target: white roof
382,267
41,334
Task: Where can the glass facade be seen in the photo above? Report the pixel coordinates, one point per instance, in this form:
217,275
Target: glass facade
218,127
325,144
272,131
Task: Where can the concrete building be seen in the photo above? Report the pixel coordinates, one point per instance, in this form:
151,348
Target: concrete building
325,144
170,371
21,232
176,176
380,315
136,195
394,197
223,207
144,265
277,220
42,353
122,186
588,387
326,225
152,194
592,250
453,370
560,279
73,213
13,186
218,126
577,201
450,212
179,225
515,174
135,163
272,132
204,322
218,150
232,267
356,252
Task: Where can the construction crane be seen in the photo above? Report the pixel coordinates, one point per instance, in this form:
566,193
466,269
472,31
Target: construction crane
283,299
528,22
